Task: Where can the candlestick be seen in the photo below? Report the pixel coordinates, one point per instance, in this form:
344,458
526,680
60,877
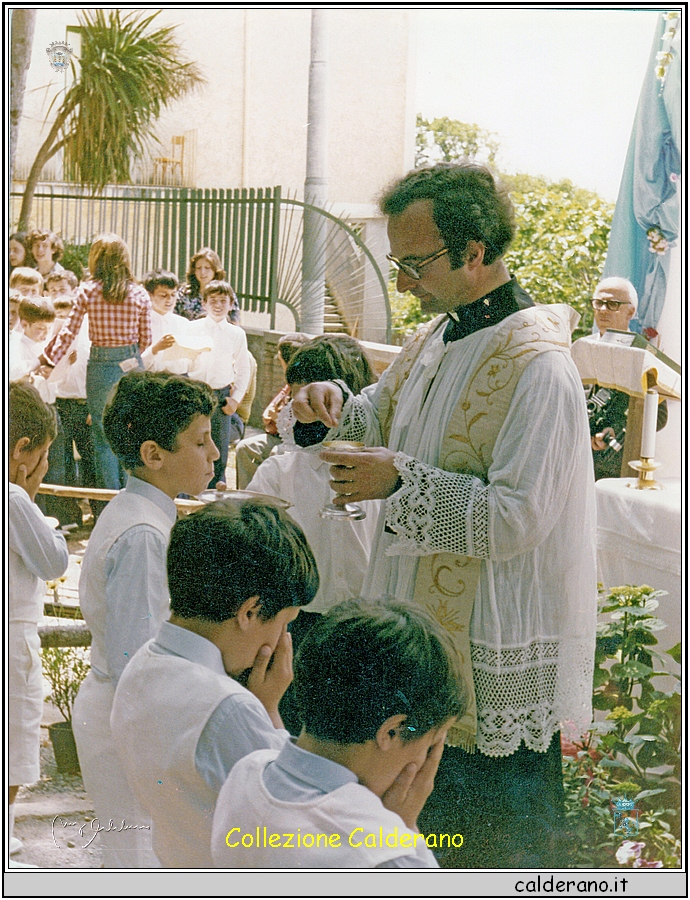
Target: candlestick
649,416
645,477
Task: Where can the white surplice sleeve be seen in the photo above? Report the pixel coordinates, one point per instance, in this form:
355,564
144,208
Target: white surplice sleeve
527,483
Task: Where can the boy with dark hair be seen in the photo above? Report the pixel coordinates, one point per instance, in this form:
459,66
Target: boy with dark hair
237,572
377,691
252,451
225,367
159,427
35,552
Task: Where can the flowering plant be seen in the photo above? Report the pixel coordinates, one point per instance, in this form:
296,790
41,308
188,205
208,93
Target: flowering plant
635,751
657,241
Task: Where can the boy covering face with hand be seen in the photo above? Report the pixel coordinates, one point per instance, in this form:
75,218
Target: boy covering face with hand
182,715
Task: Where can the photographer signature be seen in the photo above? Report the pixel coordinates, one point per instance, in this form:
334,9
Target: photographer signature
94,825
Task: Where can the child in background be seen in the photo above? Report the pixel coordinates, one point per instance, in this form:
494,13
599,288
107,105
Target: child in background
166,326
377,691
182,718
341,547
119,330
69,378
17,250
47,249
252,451
27,281
36,317
225,368
36,552
60,284
14,301
204,267
159,426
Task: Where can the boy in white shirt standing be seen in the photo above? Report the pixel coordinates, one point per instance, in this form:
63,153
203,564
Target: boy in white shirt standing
69,378
225,368
167,328
159,427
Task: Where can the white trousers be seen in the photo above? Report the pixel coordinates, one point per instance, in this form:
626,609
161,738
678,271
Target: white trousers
25,703
106,783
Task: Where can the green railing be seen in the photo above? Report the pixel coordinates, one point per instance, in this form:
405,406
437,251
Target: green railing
256,232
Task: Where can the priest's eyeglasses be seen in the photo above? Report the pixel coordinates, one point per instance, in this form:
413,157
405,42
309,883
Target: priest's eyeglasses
413,271
612,305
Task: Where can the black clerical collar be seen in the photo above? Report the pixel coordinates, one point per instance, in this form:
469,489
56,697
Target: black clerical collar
489,310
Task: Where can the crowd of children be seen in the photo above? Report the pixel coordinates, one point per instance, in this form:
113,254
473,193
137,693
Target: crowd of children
179,723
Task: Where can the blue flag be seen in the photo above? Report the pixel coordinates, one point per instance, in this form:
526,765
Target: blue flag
646,219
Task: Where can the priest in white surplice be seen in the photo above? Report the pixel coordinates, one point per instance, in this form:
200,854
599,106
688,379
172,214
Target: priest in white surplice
480,444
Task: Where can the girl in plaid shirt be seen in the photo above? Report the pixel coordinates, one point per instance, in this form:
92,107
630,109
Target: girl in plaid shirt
119,312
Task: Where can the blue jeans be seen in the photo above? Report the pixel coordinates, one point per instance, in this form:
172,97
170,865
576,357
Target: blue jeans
102,374
224,431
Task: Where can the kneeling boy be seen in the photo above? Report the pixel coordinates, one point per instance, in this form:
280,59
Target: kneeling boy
237,573
377,691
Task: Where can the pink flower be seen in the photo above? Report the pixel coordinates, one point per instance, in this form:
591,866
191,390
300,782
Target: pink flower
629,851
673,177
647,864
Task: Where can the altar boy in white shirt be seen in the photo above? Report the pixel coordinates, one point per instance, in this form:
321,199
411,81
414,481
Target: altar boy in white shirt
182,717
167,328
225,368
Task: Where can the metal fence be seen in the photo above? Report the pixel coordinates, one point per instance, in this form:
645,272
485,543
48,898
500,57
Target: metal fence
256,232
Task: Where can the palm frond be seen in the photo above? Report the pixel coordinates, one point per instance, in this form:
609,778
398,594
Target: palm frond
130,71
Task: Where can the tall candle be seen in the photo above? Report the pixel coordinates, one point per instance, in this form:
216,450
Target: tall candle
651,404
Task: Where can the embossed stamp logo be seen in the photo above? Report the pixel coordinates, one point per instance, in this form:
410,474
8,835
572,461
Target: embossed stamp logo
59,54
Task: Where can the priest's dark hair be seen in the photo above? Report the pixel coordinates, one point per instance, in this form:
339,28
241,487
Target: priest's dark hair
468,205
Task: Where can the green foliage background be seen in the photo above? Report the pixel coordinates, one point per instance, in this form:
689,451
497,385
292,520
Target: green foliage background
562,233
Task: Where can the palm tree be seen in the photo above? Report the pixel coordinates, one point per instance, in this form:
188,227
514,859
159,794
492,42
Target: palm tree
128,74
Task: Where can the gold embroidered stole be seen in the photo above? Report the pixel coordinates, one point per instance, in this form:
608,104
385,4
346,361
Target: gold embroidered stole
446,583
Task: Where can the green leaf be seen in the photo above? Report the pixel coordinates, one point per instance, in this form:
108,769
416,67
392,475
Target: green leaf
631,669
675,653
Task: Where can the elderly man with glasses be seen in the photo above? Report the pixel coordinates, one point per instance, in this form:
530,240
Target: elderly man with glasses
477,439
614,304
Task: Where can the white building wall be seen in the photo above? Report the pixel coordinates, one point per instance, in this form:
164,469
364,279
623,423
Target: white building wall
250,117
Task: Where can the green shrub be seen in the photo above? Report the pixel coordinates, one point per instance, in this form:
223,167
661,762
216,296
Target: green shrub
635,752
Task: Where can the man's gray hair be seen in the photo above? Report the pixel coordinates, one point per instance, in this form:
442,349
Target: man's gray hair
620,284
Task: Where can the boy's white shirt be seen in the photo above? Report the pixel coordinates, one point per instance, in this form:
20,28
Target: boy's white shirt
169,323
352,811
69,378
341,548
24,357
227,363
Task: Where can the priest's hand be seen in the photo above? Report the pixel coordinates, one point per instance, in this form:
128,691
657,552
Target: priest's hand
319,401
367,474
